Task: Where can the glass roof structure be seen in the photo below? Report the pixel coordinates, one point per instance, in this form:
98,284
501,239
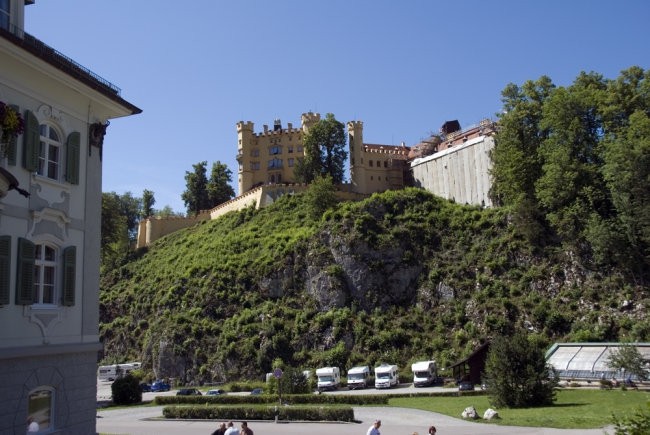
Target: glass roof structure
589,360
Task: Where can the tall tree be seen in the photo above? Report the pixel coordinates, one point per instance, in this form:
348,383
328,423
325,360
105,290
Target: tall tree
195,196
219,188
517,373
148,201
324,152
114,230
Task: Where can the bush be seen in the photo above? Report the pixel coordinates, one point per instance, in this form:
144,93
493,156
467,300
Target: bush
293,399
126,390
259,413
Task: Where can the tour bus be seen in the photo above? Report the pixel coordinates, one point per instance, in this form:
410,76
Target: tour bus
114,371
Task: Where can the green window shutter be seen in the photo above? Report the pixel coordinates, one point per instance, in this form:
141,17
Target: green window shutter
32,138
12,146
25,272
73,152
69,273
5,271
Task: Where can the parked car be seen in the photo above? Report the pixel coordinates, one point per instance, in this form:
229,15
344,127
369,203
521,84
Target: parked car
257,392
215,392
144,387
465,386
158,386
188,392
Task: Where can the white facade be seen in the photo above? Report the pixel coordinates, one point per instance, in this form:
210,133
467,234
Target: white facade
50,241
460,173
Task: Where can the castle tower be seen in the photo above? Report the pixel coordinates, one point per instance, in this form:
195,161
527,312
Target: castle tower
245,155
357,167
308,119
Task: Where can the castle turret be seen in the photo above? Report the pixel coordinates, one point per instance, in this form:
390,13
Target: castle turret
357,167
245,155
308,119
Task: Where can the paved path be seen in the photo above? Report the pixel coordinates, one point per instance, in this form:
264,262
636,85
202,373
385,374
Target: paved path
398,421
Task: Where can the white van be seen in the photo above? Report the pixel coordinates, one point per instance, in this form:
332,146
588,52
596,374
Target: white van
358,377
386,376
115,371
424,373
329,378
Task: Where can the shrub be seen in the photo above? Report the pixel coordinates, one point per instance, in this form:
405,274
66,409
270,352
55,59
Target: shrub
126,390
259,413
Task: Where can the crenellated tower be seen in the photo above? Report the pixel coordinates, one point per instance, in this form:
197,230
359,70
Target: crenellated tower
244,155
356,148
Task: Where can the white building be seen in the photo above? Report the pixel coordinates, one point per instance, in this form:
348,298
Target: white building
50,240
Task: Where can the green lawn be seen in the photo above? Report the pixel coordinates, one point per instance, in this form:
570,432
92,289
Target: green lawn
573,409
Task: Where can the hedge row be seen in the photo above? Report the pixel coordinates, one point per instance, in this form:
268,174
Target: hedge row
293,399
285,413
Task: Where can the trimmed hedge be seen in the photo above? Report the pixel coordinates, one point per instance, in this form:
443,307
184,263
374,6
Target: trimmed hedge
285,413
331,399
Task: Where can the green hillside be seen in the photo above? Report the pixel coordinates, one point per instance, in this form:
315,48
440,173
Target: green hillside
398,277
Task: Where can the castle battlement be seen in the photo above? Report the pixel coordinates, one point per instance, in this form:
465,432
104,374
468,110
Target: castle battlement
241,125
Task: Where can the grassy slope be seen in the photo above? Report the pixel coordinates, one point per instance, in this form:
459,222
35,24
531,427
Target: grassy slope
206,292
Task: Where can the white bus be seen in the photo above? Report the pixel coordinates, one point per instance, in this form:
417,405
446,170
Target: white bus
114,371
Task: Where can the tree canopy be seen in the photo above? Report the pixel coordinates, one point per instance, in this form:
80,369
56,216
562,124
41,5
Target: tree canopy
574,164
204,194
325,153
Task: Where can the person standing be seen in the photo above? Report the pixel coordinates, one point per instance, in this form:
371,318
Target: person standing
221,430
432,430
232,430
245,430
374,429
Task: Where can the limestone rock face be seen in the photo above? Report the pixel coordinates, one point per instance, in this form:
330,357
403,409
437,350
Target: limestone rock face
338,273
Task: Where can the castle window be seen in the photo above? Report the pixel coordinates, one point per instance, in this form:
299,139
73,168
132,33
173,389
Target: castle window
49,152
299,149
255,166
290,149
385,163
370,163
275,150
275,163
255,152
290,162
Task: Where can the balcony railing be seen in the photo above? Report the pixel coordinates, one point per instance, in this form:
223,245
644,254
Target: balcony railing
54,57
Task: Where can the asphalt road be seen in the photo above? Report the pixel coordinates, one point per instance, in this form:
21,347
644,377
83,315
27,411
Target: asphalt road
403,421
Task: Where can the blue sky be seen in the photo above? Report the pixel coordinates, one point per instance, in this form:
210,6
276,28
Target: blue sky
196,68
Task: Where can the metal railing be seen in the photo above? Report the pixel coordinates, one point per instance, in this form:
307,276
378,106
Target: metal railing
53,56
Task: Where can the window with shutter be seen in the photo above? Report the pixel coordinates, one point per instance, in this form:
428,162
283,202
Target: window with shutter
69,272
31,142
5,271
25,272
73,153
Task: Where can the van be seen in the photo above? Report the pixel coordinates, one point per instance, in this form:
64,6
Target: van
424,373
386,376
358,377
329,378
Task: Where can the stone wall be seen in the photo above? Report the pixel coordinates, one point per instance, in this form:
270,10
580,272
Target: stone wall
72,376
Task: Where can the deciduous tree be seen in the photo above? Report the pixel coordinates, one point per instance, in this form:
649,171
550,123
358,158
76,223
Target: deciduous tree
219,188
325,152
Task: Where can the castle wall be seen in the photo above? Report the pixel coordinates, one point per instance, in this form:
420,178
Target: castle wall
460,173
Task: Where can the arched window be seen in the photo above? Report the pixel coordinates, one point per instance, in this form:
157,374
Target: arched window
45,272
39,410
49,152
